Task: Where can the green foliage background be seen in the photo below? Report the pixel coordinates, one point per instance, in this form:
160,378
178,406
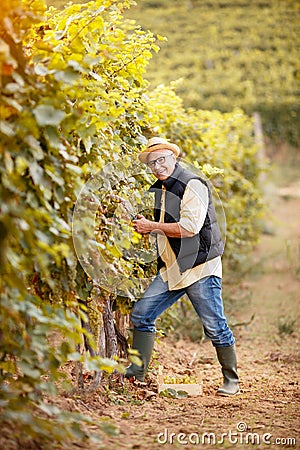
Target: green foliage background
73,99
230,53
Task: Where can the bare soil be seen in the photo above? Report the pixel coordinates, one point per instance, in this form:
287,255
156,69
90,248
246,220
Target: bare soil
266,412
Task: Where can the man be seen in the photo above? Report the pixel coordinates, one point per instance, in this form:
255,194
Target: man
189,260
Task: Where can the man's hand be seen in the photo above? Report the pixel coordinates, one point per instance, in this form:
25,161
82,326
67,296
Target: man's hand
143,225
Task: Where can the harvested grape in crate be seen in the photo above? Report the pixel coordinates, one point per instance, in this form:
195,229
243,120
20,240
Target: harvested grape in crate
191,384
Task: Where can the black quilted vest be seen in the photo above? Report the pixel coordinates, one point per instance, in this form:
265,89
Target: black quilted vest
195,250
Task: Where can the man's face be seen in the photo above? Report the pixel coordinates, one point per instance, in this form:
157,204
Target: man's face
162,163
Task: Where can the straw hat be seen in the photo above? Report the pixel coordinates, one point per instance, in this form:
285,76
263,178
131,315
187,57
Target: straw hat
157,143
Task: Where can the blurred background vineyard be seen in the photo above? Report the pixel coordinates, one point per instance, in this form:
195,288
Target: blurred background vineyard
230,53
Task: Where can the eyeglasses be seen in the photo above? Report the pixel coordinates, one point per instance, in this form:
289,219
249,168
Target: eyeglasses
159,161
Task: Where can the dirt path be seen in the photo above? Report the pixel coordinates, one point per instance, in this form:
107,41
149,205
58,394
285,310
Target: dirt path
266,413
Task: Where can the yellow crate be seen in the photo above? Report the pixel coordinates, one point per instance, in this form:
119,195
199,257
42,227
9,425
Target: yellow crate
192,389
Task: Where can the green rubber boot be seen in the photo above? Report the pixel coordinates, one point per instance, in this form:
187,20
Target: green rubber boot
143,341
227,359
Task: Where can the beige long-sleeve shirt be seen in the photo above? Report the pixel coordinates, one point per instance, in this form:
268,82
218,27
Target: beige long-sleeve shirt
193,211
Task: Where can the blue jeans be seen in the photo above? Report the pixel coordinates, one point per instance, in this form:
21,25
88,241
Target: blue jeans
206,298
